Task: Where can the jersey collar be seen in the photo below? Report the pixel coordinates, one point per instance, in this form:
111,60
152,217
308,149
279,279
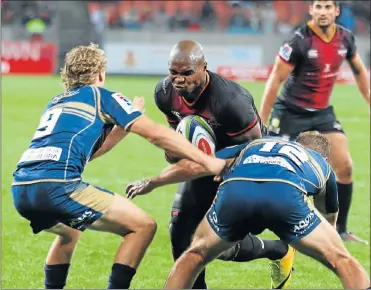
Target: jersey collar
203,89
319,32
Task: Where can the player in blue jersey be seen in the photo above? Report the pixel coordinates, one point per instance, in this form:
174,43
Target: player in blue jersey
267,187
77,126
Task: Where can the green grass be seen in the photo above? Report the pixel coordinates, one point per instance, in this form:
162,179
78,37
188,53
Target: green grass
23,254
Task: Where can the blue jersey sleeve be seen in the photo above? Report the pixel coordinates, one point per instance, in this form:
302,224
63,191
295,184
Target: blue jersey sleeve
117,108
332,203
230,152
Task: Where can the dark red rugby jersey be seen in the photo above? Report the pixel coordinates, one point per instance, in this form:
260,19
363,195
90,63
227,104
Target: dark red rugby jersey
317,61
228,107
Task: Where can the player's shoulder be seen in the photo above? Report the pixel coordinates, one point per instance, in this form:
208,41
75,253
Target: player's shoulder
226,89
163,92
300,34
103,92
344,33
343,30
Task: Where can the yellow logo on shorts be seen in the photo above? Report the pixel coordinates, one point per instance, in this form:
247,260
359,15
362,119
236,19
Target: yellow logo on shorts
275,122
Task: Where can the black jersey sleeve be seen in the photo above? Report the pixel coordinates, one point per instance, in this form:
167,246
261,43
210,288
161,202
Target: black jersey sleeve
291,51
238,115
351,46
164,103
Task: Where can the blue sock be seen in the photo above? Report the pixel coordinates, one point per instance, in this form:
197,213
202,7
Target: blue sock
56,276
121,276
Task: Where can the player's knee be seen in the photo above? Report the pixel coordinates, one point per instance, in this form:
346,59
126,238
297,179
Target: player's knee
197,253
148,226
343,260
338,257
344,170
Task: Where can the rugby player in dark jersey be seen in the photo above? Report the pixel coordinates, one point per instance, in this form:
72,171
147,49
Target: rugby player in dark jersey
190,89
310,62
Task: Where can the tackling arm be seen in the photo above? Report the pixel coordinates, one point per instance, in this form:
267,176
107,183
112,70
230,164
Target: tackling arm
328,204
183,170
361,77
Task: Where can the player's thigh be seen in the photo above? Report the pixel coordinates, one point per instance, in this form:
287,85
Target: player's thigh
195,196
122,216
67,233
340,157
323,244
207,243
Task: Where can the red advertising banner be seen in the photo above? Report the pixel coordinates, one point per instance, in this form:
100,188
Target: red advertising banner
261,73
22,57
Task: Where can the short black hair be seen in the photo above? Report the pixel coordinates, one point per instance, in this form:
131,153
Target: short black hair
335,2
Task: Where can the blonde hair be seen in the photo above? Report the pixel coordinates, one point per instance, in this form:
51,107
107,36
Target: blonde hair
82,65
315,141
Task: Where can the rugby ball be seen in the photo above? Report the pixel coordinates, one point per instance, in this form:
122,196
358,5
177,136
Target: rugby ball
198,132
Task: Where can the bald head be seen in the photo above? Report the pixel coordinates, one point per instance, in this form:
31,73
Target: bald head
187,51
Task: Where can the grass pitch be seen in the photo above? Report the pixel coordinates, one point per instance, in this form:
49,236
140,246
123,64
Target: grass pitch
23,254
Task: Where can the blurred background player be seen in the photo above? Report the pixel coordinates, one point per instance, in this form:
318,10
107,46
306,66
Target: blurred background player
309,63
190,89
47,187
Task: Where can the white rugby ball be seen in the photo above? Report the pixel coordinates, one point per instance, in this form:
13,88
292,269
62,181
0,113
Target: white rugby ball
198,132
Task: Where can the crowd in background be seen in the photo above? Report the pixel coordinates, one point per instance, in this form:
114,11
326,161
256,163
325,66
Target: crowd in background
228,16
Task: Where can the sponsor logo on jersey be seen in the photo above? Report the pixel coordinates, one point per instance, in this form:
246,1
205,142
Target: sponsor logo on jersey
124,103
213,219
312,53
177,114
78,223
275,122
304,224
213,122
280,161
337,126
285,51
327,68
343,52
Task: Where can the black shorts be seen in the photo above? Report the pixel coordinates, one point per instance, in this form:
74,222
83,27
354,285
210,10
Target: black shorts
194,198
289,121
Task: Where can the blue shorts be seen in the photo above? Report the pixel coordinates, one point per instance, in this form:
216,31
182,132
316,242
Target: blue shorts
75,204
243,207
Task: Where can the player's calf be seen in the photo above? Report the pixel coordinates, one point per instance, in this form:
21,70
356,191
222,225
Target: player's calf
124,218
60,255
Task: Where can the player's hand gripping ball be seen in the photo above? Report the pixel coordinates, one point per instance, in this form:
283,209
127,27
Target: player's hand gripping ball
197,131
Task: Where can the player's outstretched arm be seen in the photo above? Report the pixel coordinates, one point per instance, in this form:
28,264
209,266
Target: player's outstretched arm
168,139
361,76
183,170
279,74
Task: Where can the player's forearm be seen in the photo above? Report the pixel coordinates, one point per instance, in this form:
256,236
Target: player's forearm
363,83
169,140
269,96
182,171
